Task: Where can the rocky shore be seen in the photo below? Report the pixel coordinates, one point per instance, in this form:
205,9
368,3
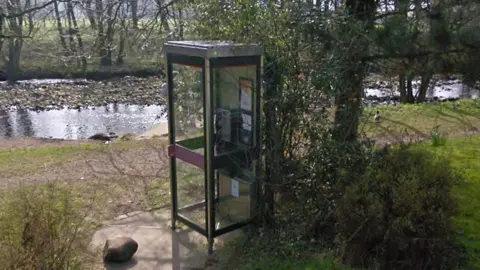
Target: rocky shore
55,94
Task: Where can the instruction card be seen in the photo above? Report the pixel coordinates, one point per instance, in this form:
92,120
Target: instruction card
246,94
235,191
247,122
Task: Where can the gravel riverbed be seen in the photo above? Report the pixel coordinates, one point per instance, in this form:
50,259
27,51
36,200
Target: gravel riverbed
55,94
51,94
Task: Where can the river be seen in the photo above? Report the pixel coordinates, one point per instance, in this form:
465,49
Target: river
75,124
117,114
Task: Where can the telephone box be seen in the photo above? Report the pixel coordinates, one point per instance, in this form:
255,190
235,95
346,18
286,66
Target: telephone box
214,115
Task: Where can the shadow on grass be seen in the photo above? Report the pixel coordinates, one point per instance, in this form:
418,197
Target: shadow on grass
407,127
460,122
397,131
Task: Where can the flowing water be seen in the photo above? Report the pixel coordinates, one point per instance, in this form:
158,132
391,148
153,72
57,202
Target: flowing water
121,118
80,124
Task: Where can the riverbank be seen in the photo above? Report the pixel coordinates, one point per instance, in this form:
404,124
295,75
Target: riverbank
45,94
80,93
96,75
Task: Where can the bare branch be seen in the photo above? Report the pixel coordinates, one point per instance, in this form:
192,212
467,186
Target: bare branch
24,12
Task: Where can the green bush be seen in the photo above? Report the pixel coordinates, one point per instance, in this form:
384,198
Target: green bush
42,227
398,215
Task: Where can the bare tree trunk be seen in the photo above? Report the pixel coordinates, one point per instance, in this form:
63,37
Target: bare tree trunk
15,44
102,49
410,97
348,107
326,6
402,87
425,82
79,37
60,28
2,19
90,14
309,4
28,5
180,18
71,31
123,32
134,5
121,46
164,17
106,60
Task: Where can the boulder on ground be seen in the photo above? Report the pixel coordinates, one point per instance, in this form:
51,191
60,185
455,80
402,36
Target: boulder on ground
119,249
100,137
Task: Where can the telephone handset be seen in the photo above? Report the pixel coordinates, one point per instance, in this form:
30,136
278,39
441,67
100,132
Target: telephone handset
223,125
233,127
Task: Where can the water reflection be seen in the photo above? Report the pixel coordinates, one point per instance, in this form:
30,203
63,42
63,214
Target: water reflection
5,124
24,123
80,124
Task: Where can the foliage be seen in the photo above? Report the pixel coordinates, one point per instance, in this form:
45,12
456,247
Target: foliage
438,139
398,215
42,228
188,107
312,264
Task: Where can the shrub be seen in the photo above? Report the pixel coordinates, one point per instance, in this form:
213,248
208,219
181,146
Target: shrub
42,228
398,215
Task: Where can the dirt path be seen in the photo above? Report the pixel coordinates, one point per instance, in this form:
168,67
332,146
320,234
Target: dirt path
124,179
120,180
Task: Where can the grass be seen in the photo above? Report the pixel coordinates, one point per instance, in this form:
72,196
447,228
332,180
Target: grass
28,160
42,53
419,120
126,175
464,155
140,182
463,152
115,190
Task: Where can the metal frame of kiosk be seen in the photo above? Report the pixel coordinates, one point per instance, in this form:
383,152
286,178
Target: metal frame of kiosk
231,150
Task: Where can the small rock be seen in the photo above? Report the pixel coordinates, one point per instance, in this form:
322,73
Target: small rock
121,217
119,249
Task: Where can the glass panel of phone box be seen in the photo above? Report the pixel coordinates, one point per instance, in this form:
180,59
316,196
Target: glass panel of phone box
234,89
189,134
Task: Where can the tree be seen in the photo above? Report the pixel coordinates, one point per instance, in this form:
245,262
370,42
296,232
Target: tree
15,26
348,101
